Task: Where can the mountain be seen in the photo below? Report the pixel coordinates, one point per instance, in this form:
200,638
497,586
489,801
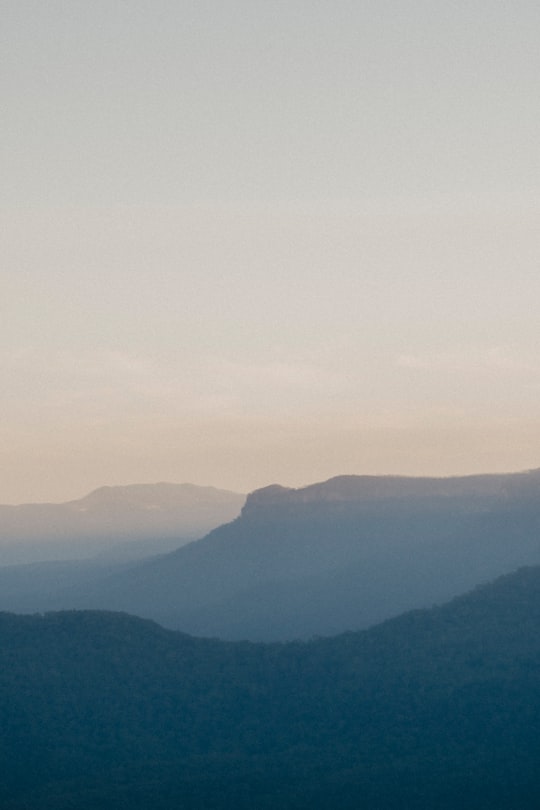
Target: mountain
341,555
436,708
129,521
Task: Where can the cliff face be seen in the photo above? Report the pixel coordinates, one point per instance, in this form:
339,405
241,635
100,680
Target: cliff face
339,555
367,488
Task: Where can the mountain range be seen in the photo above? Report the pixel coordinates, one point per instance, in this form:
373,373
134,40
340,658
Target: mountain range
119,522
437,709
341,555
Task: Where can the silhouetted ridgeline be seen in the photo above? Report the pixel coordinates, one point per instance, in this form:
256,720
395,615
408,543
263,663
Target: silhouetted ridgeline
434,709
341,555
366,488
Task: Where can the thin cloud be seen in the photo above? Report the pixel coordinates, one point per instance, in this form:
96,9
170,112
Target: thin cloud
495,359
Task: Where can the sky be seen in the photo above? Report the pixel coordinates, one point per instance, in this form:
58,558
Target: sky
257,241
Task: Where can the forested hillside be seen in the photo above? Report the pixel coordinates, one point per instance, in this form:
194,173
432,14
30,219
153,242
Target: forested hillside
435,709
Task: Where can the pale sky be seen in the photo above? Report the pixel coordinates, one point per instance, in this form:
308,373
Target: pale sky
247,242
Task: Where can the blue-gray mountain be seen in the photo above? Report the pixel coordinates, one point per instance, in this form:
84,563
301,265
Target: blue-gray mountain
434,709
114,522
335,556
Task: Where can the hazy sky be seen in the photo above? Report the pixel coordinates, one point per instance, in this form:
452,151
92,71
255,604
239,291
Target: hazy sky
247,241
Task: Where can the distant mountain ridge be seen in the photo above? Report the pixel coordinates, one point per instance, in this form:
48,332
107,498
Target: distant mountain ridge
379,487
341,555
164,515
